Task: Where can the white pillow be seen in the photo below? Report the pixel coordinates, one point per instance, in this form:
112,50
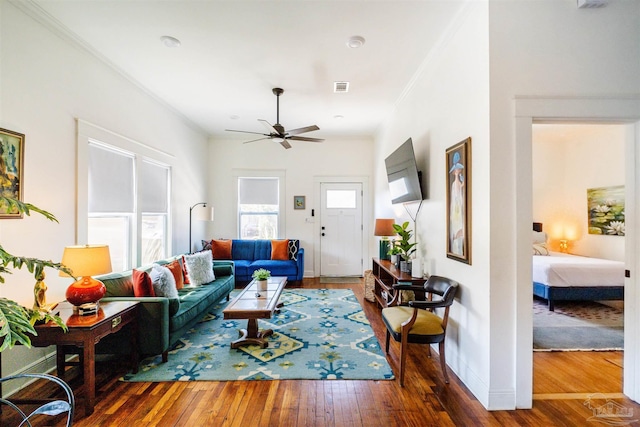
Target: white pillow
164,284
540,249
200,268
539,237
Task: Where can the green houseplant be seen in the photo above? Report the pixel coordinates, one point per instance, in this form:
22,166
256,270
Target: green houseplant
261,274
16,321
403,245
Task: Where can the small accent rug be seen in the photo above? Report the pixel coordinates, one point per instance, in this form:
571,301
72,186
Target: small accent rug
319,334
342,279
577,326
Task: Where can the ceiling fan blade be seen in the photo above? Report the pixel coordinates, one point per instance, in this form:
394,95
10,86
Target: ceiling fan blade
268,126
245,131
254,140
305,138
302,130
285,144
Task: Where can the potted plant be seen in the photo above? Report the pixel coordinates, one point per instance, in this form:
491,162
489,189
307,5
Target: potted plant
261,275
16,321
404,246
394,251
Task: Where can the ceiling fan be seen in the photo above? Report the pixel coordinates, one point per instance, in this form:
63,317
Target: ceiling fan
277,132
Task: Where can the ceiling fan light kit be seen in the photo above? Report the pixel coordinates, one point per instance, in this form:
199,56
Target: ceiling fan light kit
277,132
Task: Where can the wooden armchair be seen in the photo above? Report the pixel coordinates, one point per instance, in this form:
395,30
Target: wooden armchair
418,322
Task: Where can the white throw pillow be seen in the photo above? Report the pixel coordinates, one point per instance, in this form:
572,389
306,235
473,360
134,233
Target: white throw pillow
540,249
539,237
164,284
200,268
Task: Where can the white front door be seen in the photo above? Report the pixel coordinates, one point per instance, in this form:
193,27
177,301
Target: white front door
341,229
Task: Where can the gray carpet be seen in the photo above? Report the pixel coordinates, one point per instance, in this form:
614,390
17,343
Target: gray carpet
577,326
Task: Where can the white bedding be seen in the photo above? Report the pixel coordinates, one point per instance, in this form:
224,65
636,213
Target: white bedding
559,269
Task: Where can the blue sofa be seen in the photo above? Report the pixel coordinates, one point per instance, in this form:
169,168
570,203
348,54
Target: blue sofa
250,255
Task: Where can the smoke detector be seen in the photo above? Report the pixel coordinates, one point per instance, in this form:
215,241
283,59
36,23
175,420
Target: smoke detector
340,87
592,4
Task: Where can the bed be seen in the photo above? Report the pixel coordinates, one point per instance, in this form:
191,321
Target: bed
561,277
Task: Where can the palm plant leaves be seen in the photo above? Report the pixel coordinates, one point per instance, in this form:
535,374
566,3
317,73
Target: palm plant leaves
16,321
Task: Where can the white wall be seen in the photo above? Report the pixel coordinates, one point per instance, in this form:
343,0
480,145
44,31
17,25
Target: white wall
448,102
567,160
48,82
552,49
349,157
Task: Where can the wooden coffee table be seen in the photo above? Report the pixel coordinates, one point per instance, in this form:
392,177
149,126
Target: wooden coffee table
253,304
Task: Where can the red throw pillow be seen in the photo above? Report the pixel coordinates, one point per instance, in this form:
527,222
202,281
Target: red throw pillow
221,249
280,250
185,275
176,269
142,285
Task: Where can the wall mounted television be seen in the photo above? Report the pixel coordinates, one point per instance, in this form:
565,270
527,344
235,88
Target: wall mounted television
403,175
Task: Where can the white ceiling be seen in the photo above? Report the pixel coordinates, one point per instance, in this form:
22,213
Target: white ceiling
234,52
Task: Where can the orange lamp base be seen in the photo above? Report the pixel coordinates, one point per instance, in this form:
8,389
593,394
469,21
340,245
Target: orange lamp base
85,290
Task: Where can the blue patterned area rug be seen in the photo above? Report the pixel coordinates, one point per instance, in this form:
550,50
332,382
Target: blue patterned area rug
319,334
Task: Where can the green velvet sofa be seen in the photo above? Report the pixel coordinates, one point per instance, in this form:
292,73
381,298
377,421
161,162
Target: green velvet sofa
162,321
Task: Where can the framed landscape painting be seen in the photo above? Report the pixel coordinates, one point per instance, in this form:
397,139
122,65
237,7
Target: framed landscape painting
458,167
11,165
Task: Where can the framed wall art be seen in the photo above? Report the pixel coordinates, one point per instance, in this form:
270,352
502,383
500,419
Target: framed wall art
299,202
606,210
11,167
458,167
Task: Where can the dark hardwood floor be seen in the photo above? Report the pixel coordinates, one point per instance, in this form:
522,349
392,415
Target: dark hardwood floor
559,394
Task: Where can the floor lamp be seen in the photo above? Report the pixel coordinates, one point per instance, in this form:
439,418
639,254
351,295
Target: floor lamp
201,217
384,228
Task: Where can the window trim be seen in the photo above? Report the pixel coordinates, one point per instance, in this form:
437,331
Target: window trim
88,132
262,173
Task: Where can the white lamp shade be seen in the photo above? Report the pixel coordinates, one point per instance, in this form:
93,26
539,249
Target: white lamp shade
203,214
87,260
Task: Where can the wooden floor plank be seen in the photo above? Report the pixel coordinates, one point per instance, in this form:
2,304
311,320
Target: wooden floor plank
562,382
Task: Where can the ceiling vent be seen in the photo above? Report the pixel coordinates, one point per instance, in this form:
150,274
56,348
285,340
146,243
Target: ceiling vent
592,4
340,87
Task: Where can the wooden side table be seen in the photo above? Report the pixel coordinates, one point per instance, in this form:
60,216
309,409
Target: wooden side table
85,332
386,275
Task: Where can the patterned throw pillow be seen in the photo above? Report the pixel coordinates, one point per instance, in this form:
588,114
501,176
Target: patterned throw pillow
164,285
294,245
200,268
206,245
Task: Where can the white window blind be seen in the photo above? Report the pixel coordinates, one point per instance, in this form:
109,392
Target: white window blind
154,188
258,191
111,180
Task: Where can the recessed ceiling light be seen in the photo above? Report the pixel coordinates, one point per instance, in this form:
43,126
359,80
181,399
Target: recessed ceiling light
355,42
338,117
169,41
234,117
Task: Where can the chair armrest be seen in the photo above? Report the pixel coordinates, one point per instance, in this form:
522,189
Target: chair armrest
427,304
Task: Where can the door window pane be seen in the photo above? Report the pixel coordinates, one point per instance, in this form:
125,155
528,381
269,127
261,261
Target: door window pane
341,199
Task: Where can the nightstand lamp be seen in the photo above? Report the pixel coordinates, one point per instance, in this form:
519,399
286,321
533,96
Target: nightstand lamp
384,228
86,261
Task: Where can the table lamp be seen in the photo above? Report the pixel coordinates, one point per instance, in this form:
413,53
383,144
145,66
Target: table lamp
84,262
384,228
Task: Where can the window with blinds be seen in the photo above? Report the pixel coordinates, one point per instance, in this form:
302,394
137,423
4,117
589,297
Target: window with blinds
258,207
128,205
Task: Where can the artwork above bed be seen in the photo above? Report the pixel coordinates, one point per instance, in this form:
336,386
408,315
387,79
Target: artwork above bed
606,210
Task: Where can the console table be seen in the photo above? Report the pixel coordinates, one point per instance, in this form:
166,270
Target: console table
84,333
386,275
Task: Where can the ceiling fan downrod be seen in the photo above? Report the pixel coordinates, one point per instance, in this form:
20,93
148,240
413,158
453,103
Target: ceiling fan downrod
277,92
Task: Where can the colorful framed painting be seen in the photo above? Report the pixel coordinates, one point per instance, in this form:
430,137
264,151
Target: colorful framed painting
299,202
11,167
606,210
458,167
